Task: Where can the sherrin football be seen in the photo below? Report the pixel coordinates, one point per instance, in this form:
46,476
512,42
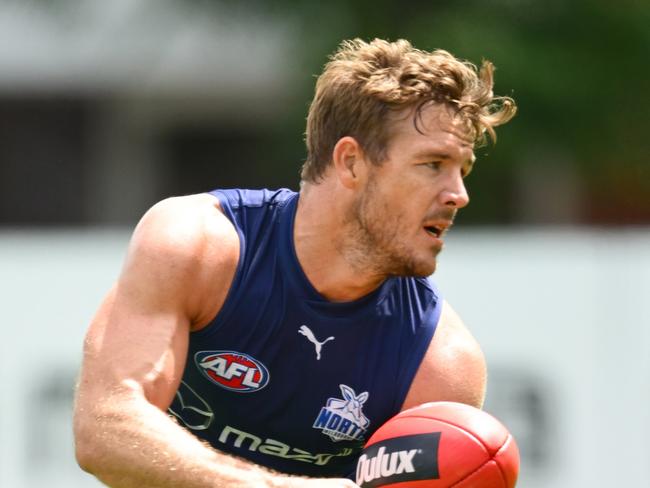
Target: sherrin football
440,445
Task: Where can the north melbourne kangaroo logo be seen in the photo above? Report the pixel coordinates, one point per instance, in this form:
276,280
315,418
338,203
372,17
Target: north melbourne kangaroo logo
304,330
343,419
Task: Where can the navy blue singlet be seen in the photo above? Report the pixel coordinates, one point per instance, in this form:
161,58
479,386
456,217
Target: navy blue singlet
282,376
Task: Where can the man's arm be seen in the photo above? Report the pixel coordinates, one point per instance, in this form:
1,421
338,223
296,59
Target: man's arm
453,368
178,270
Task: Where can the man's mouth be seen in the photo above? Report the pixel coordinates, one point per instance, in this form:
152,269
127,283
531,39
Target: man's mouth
434,231
438,228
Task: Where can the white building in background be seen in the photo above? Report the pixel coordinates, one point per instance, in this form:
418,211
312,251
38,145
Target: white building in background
563,317
142,47
134,74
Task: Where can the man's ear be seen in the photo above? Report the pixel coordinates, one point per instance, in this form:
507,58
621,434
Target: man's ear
349,161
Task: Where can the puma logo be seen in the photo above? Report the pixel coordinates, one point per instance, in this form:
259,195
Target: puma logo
304,330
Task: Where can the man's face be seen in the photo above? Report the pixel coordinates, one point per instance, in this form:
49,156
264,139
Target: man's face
411,199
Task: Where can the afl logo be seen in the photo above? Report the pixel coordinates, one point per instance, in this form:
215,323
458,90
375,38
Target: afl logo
234,371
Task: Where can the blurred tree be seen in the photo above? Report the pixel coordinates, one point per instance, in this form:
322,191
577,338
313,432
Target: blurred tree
577,152
578,71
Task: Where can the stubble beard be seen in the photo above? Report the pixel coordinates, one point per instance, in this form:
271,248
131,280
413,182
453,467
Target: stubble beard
374,242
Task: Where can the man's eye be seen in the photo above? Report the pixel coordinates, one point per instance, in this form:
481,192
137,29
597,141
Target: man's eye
434,165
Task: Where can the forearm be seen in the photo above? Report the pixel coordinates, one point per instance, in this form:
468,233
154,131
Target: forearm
145,448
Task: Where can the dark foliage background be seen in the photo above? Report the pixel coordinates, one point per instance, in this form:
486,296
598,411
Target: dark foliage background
577,152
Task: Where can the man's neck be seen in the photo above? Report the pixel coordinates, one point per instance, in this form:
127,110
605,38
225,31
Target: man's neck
318,236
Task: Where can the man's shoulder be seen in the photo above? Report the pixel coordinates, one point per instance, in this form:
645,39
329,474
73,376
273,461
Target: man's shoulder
187,228
186,244
453,368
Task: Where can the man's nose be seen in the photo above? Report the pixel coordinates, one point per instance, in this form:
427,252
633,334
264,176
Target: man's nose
455,195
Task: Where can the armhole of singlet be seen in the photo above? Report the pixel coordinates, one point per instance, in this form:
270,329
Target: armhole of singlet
422,340
222,315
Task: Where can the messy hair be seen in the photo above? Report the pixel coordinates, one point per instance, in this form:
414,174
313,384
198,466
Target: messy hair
364,83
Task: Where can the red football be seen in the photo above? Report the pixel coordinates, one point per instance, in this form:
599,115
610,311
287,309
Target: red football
440,445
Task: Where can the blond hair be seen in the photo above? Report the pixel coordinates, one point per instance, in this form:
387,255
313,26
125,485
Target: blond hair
364,83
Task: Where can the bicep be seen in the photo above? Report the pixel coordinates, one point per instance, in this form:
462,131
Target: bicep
134,348
453,368
137,342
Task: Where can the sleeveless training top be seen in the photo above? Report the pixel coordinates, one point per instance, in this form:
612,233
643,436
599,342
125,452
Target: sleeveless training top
282,376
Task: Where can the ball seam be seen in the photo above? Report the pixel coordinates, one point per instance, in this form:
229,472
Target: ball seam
480,441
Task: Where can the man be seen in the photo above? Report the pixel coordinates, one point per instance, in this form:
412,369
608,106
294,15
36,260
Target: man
256,336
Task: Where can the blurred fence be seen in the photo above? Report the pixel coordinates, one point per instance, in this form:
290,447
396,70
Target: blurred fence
562,315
